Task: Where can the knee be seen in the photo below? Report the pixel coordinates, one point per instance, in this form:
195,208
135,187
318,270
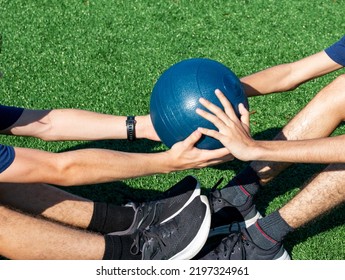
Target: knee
335,91
340,81
336,95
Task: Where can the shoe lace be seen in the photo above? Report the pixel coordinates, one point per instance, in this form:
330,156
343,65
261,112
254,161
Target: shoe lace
154,233
152,209
229,244
216,185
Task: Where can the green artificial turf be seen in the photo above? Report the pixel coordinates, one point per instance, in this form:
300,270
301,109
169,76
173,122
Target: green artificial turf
105,56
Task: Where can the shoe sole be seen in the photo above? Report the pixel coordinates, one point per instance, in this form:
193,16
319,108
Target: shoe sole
226,229
200,238
284,257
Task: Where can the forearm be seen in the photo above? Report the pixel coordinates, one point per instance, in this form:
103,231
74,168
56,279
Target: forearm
324,150
74,124
288,76
274,79
98,166
82,167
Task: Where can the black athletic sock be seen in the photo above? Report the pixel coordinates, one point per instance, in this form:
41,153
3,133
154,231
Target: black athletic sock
270,230
108,218
244,185
118,248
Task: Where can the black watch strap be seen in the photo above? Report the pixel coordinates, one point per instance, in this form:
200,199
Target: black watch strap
130,124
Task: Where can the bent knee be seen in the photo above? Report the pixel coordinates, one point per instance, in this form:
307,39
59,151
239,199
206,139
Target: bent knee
335,91
340,80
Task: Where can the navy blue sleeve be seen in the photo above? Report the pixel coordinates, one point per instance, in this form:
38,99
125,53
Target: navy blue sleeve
337,51
6,157
9,115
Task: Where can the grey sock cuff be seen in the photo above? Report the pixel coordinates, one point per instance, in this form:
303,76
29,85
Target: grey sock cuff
275,226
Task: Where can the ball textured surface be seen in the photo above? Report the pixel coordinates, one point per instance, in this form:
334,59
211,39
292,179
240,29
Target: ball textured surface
175,97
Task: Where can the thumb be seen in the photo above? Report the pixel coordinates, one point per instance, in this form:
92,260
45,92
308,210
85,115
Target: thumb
244,117
193,138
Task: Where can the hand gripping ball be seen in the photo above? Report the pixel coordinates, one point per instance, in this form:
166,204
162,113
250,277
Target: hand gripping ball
175,97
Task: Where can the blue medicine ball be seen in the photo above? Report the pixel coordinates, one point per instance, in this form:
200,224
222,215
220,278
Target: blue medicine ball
176,94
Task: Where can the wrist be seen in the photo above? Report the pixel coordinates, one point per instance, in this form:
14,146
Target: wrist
258,151
144,128
163,161
252,151
140,127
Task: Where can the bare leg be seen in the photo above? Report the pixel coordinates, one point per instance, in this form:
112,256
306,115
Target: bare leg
322,194
318,119
25,237
48,201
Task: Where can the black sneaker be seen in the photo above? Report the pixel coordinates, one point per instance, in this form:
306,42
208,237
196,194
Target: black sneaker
179,238
239,246
226,217
172,203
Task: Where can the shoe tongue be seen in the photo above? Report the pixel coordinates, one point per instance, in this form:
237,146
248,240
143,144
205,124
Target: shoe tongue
216,194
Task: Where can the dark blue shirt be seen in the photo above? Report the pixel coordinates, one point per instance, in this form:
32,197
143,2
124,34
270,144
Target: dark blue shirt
337,51
6,157
8,116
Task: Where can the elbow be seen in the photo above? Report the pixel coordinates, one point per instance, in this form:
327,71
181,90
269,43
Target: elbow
47,132
48,128
46,135
61,171
290,81
41,124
